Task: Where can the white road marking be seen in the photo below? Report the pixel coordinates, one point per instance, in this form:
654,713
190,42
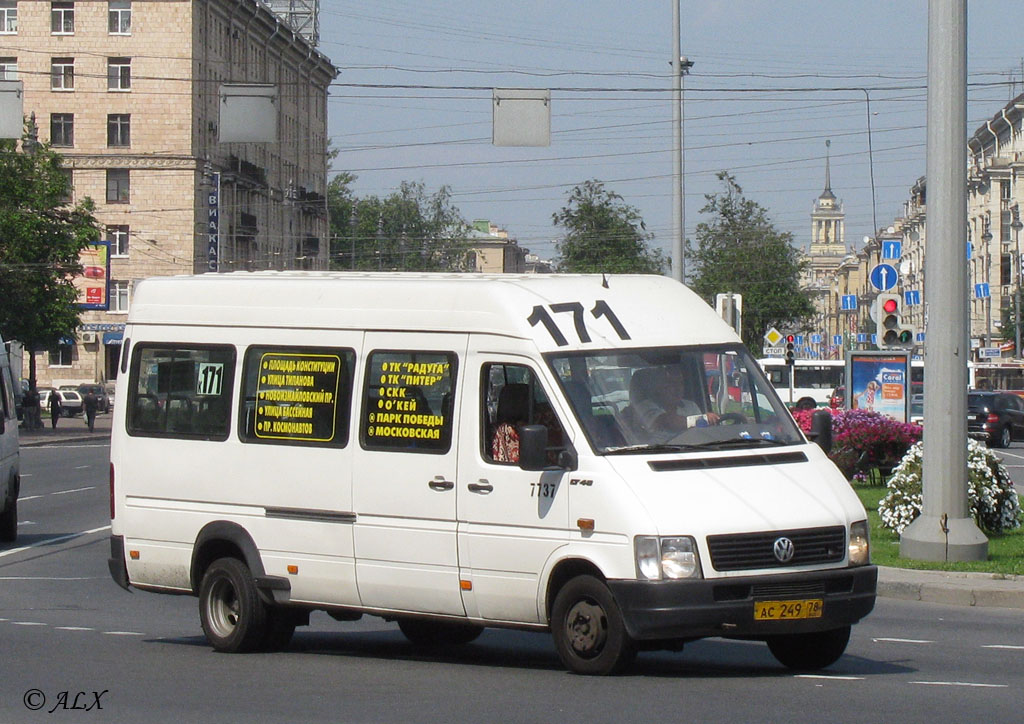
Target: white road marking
123,633
960,683
49,578
27,623
825,676
901,641
49,541
82,467
74,628
58,492
1003,646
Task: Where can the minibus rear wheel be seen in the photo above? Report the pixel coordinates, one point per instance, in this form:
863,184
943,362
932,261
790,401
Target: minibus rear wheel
810,651
588,630
9,522
234,617
425,632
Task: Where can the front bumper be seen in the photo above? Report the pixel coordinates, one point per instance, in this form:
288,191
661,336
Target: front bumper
655,610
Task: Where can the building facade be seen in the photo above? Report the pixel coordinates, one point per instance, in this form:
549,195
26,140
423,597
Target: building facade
129,94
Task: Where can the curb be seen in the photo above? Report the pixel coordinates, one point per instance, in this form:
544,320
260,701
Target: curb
982,590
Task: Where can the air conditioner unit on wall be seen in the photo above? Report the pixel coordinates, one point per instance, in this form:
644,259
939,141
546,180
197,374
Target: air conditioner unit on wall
88,337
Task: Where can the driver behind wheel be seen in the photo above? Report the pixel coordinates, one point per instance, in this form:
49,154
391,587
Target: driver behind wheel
657,396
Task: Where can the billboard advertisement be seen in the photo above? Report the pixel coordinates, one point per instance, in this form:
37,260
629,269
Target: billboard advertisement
880,382
93,282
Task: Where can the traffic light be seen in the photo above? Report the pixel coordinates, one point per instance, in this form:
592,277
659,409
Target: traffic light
890,331
790,349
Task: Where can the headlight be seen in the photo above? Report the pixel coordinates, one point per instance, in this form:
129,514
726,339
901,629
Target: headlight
671,558
860,544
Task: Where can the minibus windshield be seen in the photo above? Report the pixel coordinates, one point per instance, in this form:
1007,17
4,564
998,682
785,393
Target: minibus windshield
673,399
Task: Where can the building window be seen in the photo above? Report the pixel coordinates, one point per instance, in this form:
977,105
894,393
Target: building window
69,179
119,74
61,356
118,295
8,69
118,238
8,17
118,186
119,129
62,74
62,18
62,129
119,17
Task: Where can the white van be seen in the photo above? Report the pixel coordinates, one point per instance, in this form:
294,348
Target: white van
598,457
10,480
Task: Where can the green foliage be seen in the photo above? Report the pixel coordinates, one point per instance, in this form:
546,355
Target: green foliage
604,234
740,250
41,237
410,230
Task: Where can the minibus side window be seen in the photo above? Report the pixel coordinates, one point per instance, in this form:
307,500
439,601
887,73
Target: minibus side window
296,396
181,391
512,396
407,401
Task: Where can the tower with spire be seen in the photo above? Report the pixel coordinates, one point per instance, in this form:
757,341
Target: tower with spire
828,234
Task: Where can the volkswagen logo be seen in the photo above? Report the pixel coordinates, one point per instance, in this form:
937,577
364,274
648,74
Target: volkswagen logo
783,549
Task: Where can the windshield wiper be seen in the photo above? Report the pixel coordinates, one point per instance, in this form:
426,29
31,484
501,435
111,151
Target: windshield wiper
650,448
746,442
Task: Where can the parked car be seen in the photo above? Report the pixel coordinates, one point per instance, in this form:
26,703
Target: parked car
101,395
917,408
109,389
995,417
70,401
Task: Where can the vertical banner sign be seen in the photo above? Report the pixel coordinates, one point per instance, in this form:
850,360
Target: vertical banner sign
213,226
92,284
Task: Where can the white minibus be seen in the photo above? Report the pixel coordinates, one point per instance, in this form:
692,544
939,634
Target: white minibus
597,457
9,467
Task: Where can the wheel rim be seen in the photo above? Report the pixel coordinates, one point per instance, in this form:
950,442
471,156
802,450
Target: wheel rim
1007,437
586,627
222,608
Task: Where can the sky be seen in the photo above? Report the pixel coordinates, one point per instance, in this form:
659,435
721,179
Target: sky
771,82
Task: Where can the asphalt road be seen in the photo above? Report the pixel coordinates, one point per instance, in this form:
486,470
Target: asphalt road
67,629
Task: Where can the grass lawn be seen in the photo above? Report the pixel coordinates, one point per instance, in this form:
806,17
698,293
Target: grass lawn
1005,550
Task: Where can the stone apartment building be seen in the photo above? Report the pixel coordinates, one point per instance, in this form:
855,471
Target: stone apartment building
129,94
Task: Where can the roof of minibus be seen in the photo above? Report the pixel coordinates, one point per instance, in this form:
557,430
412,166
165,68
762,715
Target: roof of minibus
615,310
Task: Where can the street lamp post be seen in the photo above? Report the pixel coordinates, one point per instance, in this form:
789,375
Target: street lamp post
1016,225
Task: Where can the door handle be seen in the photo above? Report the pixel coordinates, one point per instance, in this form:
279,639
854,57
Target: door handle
483,487
439,483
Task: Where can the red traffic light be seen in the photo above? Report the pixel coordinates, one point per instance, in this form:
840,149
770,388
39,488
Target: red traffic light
889,305
790,338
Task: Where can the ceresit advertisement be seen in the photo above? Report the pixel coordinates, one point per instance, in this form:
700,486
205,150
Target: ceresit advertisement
92,283
880,383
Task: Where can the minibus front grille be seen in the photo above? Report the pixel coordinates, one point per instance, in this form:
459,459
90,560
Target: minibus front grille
748,551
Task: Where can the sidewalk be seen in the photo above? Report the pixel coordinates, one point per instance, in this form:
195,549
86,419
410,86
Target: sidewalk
69,429
953,589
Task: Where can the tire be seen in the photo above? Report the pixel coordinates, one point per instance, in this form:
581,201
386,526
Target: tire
810,651
1005,437
425,632
9,523
587,626
234,618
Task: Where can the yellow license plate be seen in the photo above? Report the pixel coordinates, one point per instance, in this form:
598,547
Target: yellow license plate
787,610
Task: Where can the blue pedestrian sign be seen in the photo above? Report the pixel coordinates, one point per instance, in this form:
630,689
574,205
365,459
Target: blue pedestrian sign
981,291
849,303
883,277
892,249
837,340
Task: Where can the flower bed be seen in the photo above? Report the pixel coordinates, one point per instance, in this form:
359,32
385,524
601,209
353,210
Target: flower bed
993,501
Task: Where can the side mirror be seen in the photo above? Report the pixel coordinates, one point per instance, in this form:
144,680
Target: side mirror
533,450
821,430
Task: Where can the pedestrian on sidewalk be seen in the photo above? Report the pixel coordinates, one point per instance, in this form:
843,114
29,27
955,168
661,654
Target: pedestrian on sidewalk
91,404
55,408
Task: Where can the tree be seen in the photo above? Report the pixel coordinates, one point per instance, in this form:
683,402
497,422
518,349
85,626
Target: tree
410,230
740,250
41,237
604,234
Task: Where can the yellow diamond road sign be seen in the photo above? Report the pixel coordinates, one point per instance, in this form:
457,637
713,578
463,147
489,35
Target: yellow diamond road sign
773,337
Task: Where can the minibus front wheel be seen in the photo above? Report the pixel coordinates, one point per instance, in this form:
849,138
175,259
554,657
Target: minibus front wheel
588,629
810,651
233,616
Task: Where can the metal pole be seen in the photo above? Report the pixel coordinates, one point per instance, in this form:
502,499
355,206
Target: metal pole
678,212
987,239
945,529
1016,225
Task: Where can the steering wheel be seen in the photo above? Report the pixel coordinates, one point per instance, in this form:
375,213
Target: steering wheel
732,418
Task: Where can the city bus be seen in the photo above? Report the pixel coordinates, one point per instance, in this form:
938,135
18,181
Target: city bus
814,378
